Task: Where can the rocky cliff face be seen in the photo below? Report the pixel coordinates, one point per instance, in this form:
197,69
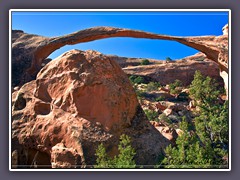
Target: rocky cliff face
184,70
79,100
28,51
128,61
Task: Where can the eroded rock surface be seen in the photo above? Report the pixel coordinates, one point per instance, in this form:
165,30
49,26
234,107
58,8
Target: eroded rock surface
79,100
182,70
167,132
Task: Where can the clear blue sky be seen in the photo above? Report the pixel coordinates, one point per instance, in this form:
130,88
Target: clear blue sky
170,23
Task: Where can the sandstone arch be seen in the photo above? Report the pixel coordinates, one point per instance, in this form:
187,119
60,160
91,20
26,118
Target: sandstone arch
28,51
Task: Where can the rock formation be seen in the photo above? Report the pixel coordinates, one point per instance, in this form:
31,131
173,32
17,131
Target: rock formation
128,61
79,100
28,51
166,131
183,70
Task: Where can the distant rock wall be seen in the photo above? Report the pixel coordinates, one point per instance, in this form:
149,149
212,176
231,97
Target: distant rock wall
182,70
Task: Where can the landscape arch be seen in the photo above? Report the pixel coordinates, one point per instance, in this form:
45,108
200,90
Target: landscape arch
28,51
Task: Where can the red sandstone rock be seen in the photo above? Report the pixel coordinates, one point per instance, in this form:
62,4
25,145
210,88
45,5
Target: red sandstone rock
79,100
179,132
62,157
160,107
168,111
181,70
164,89
166,131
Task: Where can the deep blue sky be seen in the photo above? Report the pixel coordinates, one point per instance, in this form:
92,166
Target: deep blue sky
170,23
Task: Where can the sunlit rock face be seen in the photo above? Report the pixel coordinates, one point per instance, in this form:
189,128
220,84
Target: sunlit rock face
79,100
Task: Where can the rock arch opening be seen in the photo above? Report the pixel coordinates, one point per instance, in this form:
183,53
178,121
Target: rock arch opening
131,48
214,47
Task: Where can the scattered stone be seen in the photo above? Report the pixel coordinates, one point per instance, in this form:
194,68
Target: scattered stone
168,111
192,104
160,107
179,132
62,157
166,131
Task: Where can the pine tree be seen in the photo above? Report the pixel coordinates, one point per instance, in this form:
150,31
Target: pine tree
212,122
205,145
102,159
188,153
126,154
123,160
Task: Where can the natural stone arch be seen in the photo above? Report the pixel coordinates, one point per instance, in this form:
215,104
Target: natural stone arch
37,48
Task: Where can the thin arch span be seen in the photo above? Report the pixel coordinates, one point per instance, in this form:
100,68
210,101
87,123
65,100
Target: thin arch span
45,46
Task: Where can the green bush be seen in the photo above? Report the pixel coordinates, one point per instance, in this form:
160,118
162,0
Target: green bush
140,93
145,62
188,152
151,115
164,118
153,86
173,86
102,158
123,160
160,98
137,79
204,90
182,96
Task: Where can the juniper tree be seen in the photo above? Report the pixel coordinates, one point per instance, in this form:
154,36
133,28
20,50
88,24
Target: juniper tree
188,153
123,160
208,144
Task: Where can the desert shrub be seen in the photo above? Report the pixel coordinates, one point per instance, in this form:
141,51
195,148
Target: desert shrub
183,96
151,115
204,90
140,93
164,118
145,62
160,98
102,158
137,79
174,86
153,86
125,158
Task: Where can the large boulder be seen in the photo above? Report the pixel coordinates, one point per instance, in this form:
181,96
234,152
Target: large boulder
79,100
